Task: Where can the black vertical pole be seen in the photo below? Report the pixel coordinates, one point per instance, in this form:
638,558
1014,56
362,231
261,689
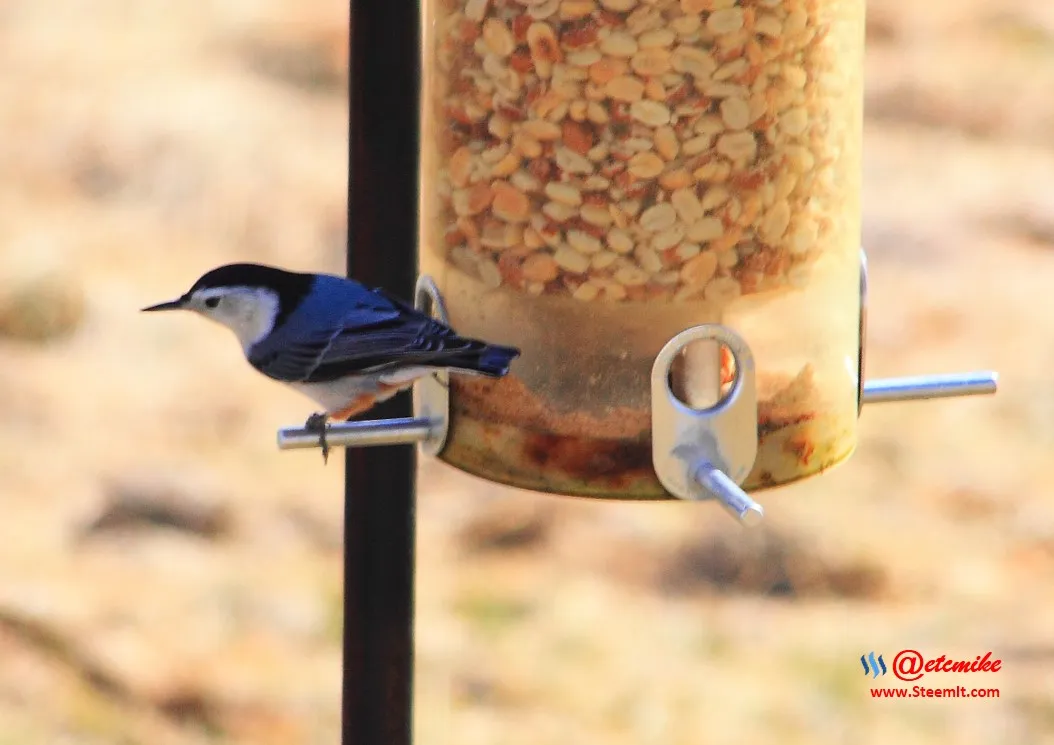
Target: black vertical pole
379,490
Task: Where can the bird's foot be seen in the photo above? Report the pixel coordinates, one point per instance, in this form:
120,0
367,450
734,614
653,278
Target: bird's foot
438,379
317,423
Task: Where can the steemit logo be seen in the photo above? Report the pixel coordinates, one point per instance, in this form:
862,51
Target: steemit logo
872,669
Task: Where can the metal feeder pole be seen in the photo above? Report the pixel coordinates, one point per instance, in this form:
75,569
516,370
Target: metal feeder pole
379,492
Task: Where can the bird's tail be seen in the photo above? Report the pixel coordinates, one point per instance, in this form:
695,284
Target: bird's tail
491,360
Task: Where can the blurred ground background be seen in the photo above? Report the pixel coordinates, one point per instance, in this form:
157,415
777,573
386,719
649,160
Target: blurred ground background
167,576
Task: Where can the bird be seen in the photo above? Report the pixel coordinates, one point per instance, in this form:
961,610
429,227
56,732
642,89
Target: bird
343,345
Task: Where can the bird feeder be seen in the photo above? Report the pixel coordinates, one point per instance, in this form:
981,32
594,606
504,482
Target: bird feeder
659,203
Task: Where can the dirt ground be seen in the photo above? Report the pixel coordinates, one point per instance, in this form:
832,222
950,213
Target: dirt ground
168,576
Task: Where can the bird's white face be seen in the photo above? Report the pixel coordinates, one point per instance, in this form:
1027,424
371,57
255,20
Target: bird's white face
249,312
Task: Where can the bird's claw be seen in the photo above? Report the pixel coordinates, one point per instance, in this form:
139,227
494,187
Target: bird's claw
317,423
437,378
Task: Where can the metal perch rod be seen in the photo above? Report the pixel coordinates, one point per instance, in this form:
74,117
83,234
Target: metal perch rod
930,386
398,431
410,430
716,483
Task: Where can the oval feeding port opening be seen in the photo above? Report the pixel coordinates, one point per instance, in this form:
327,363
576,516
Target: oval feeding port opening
703,374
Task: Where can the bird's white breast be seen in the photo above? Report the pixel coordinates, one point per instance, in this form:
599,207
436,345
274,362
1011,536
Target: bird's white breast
337,394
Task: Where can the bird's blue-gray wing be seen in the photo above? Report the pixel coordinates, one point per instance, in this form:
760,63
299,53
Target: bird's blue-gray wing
384,336
294,352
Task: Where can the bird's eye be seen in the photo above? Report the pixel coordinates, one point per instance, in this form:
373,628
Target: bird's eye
212,302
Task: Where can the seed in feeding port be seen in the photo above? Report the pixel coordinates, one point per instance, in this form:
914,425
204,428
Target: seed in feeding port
510,204
492,155
618,44
596,113
583,242
769,25
473,200
693,61
649,260
570,260
493,234
652,113
595,214
544,49
526,145
583,58
586,291
727,259
726,21
775,223
572,10
795,23
540,267
730,70
651,62
678,178
596,183
619,241
666,142
525,182
476,9
646,165
794,122
577,136
499,126
571,162
541,130
687,204
714,197
606,69
738,146
686,25
654,90
543,9
498,38
699,269
558,212
506,166
603,260
686,251
564,193
460,167
795,76
705,230
668,238
735,112
662,37
625,88
658,218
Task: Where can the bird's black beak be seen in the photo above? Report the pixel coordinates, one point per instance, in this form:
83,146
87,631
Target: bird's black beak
176,304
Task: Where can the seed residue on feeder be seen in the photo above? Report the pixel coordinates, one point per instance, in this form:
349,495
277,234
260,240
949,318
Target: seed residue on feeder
617,150
580,446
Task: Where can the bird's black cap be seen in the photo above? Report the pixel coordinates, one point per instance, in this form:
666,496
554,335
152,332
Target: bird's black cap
291,287
254,275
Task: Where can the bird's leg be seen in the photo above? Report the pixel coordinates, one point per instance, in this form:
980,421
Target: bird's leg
317,421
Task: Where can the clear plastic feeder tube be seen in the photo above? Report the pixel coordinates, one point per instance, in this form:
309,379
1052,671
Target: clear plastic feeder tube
598,176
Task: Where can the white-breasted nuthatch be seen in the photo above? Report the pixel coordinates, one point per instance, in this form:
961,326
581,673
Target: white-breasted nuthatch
341,344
